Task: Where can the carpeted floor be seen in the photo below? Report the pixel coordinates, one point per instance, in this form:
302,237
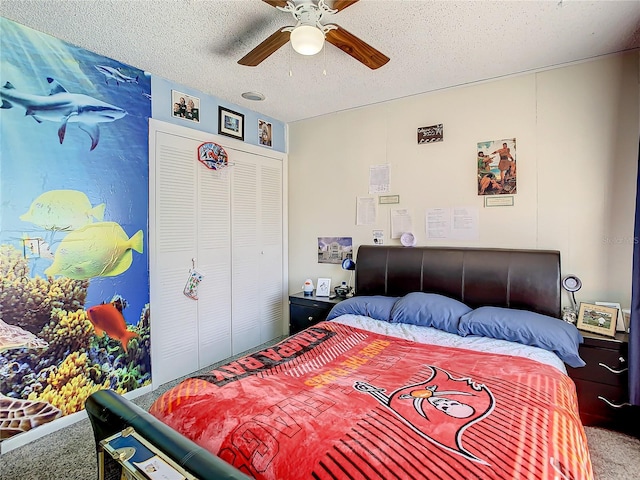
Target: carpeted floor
69,454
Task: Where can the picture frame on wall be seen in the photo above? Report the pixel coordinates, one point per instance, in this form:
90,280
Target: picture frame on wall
230,123
185,106
264,133
597,319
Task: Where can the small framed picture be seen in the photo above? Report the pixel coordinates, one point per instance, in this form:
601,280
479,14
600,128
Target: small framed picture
498,201
264,133
597,319
185,106
323,287
388,199
230,123
621,325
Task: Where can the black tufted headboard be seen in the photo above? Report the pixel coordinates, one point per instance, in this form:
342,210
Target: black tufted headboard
523,279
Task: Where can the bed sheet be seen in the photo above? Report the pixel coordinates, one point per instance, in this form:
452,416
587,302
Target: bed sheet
434,336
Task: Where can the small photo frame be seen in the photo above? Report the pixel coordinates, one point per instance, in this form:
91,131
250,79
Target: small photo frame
323,287
621,325
597,319
264,133
388,199
498,201
230,123
185,106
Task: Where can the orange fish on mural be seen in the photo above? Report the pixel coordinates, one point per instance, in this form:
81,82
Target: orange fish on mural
108,318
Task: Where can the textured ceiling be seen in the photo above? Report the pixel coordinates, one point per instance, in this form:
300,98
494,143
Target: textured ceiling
432,44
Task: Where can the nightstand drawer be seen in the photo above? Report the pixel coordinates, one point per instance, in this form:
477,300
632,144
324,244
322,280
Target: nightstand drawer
602,385
302,316
603,366
607,403
307,310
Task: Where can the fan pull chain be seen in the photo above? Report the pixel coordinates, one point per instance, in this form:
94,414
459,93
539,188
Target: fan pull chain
290,70
324,60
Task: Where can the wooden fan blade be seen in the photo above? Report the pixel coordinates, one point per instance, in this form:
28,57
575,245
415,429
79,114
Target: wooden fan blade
276,3
341,4
266,48
358,49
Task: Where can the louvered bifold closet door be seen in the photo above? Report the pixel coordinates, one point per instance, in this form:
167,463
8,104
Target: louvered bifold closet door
190,226
214,260
257,257
271,254
174,329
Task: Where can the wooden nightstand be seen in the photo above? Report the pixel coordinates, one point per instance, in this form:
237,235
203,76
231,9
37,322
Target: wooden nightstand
305,311
602,385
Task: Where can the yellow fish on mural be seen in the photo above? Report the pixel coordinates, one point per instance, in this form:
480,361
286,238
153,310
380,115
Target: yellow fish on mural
63,210
96,250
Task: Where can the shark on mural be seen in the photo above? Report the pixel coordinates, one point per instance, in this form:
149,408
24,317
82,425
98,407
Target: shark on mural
115,74
62,106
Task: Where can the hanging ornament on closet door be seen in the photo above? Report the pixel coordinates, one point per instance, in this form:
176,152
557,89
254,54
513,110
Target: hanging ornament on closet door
195,277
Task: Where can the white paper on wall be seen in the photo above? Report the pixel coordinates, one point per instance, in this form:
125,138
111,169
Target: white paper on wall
379,179
456,223
400,222
365,211
437,222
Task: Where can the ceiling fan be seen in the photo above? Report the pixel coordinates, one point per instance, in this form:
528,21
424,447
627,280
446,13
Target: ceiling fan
308,35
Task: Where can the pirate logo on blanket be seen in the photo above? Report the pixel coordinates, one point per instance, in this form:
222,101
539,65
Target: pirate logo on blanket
439,409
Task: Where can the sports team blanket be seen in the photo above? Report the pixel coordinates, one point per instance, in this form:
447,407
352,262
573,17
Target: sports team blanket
338,402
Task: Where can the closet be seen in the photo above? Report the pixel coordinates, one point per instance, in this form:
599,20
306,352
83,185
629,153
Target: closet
227,224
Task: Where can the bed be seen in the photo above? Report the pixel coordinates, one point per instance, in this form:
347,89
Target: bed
417,376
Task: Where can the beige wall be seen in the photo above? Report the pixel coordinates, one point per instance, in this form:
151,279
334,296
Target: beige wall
577,151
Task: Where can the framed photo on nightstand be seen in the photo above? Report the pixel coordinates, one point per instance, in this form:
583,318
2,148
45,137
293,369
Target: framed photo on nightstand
323,287
597,319
621,326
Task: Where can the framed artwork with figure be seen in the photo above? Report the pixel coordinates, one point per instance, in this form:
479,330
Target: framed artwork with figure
230,123
597,319
185,106
323,287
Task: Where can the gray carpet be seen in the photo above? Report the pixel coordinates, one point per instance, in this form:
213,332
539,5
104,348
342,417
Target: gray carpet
69,453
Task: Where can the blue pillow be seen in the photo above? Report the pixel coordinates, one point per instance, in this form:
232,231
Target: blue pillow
429,310
374,306
525,327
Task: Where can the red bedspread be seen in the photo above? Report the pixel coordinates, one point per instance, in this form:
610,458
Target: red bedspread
339,402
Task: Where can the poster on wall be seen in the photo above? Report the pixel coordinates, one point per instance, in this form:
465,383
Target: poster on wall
334,249
74,303
497,167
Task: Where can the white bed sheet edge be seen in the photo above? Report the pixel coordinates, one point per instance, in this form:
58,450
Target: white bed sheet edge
433,336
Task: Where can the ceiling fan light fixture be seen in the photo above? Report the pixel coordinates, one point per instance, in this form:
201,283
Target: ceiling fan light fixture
307,39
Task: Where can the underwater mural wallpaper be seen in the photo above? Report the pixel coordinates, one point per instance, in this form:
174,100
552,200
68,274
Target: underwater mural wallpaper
74,292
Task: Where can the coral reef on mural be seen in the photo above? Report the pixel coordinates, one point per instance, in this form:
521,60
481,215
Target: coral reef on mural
61,360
